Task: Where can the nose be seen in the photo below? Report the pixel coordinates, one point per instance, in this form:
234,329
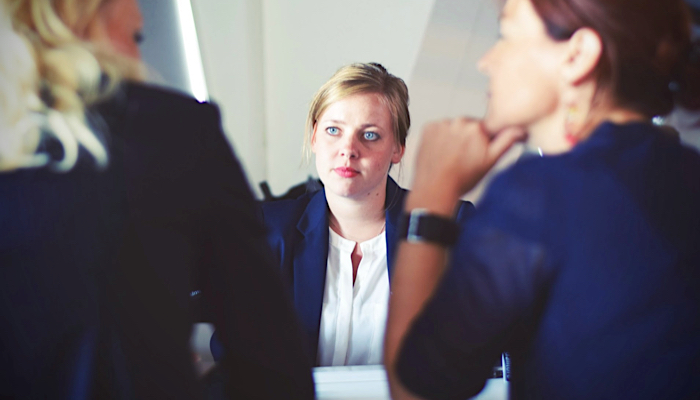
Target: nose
349,147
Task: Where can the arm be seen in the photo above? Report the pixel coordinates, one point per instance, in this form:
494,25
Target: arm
453,157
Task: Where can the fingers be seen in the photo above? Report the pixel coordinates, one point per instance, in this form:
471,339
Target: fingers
455,154
503,141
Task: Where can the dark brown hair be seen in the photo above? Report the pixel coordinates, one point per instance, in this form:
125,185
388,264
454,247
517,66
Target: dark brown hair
649,62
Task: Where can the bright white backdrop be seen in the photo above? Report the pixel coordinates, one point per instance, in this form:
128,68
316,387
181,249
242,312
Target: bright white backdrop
264,59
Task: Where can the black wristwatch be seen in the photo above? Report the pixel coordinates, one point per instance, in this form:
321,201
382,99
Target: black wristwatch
421,226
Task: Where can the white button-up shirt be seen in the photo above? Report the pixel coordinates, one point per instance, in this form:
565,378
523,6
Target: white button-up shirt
353,317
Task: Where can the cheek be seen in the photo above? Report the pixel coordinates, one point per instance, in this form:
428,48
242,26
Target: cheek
322,155
122,39
535,96
524,89
322,147
380,161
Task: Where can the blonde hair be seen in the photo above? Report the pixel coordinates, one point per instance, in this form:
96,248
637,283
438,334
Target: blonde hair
48,75
361,78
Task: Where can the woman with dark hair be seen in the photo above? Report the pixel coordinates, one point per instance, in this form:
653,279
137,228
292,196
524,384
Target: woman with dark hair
583,264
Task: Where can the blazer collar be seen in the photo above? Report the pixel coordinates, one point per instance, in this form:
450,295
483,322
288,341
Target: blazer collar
394,205
315,214
313,223
310,259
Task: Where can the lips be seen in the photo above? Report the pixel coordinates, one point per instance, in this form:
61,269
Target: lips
346,172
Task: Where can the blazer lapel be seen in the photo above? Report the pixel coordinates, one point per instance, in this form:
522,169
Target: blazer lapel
394,206
310,260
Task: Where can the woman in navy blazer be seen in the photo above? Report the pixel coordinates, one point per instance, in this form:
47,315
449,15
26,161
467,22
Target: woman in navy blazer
356,127
298,235
582,264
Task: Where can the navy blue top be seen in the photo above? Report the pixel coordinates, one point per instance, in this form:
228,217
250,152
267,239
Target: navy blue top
298,236
96,267
585,267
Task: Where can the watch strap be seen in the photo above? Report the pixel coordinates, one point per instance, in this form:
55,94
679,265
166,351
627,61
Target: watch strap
419,225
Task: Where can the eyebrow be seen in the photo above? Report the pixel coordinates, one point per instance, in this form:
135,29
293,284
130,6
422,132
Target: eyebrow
337,121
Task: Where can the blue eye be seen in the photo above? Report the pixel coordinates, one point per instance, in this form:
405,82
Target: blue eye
332,130
370,136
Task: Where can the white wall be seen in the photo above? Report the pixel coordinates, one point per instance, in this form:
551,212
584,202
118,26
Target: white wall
163,51
445,81
264,60
306,41
230,39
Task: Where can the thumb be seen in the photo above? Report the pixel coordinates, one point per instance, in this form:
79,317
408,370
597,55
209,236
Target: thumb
502,142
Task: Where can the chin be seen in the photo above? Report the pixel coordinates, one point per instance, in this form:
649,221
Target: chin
341,189
492,124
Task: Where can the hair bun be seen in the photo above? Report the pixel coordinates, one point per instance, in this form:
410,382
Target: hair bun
378,66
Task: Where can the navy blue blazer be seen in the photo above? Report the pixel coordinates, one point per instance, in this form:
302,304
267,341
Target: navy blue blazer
585,267
298,237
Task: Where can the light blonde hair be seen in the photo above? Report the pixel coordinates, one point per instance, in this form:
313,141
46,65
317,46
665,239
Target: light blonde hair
48,75
361,78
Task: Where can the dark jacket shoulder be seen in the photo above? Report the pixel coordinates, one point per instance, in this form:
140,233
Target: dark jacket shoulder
156,112
280,216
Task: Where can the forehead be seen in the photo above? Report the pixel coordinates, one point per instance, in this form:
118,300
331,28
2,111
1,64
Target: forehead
369,107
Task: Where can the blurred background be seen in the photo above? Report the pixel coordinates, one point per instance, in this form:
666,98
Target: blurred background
262,61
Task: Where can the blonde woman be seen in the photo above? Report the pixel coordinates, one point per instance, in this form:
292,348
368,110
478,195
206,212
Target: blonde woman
116,199
335,246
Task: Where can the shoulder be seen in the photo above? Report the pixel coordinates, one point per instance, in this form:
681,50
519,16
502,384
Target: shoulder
282,216
158,110
396,196
525,175
171,124
517,199
154,99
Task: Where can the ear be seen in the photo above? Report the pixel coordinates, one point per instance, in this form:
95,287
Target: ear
585,47
397,155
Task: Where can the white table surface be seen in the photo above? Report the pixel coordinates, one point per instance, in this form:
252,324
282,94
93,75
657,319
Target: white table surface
365,382
368,382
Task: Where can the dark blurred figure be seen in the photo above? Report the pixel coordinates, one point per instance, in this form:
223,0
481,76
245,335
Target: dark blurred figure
311,185
116,199
584,263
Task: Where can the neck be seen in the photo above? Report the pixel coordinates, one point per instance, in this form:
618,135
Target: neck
357,219
549,133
